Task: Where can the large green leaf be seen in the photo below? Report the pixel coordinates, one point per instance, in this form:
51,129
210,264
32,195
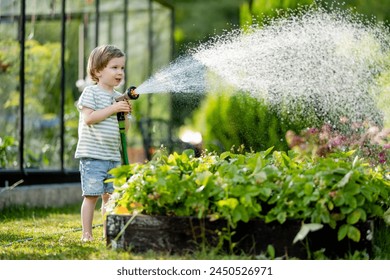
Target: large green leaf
354,233
240,214
342,232
344,180
281,217
230,203
354,217
386,216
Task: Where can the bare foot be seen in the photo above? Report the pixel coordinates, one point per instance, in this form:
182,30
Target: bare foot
87,237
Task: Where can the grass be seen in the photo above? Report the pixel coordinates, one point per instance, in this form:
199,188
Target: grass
36,234
54,234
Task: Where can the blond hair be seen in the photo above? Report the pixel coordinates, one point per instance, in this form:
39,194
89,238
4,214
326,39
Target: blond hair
99,58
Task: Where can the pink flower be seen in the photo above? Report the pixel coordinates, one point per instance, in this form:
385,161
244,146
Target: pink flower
382,157
312,130
336,141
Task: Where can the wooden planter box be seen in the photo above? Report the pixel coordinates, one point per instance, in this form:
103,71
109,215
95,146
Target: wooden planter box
186,234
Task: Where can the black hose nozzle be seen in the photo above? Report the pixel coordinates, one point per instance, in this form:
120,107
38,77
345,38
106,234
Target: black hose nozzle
129,94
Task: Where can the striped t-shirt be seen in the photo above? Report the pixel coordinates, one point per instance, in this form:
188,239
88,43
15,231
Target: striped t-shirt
100,140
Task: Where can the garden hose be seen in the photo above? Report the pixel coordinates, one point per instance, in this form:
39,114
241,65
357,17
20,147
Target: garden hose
129,94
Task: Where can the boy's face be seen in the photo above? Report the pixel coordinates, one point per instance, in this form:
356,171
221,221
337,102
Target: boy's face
112,74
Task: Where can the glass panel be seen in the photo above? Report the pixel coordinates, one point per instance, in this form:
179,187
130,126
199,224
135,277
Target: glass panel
9,81
77,22
42,91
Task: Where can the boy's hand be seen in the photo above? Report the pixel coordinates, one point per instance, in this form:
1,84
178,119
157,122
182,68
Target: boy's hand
122,106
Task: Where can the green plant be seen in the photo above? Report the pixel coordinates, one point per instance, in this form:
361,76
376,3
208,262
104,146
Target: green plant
339,190
368,140
259,10
7,146
332,190
41,92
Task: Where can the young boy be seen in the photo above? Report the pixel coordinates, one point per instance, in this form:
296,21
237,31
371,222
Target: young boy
98,146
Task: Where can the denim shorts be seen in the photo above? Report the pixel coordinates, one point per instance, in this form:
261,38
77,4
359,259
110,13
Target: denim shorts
93,174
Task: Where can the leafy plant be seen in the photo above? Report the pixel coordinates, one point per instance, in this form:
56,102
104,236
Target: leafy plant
339,190
7,146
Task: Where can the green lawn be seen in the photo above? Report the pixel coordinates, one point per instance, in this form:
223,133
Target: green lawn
36,234
54,234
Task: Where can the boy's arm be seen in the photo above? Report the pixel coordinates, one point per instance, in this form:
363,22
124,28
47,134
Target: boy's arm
91,116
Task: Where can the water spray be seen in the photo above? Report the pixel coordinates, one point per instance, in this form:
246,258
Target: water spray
316,63
129,94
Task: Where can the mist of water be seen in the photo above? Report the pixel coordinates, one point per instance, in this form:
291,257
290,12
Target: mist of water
327,60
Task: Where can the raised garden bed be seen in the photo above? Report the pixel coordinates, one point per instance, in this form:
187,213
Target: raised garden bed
178,235
262,196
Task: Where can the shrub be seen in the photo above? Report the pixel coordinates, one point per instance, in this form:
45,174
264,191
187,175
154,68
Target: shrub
369,141
227,120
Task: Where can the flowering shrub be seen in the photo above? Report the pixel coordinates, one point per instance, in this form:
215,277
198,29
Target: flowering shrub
369,142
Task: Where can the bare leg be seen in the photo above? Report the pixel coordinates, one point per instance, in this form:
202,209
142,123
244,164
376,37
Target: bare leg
87,211
105,198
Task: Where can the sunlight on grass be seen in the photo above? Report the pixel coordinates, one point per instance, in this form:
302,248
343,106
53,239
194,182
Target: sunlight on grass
46,234
54,234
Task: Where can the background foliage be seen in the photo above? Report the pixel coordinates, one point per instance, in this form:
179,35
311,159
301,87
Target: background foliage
41,71
227,120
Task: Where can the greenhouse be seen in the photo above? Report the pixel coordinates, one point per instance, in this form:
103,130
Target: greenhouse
44,46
